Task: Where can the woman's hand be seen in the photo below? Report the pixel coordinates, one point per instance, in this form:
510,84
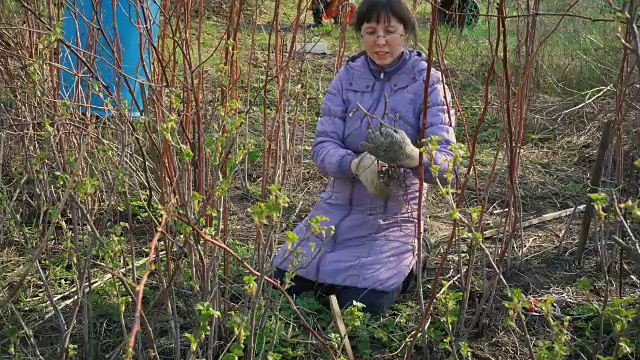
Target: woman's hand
369,169
392,146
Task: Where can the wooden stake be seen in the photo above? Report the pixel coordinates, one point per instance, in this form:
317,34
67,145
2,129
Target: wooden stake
594,186
337,317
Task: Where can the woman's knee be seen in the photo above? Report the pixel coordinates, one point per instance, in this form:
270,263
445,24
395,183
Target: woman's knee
279,274
300,285
375,302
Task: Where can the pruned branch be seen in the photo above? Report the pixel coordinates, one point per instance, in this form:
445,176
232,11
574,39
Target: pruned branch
538,220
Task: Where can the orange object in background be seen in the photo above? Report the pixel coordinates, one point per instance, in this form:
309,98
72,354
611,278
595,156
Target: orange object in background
349,12
333,9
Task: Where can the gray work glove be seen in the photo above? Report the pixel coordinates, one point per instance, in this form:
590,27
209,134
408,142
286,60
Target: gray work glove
367,168
392,146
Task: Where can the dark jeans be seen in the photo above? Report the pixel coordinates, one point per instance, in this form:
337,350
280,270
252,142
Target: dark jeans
375,301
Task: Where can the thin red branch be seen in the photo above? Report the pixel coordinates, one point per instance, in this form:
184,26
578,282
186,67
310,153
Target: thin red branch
141,284
268,279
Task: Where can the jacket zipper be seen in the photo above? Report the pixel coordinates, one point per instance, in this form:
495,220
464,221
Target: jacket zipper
378,98
334,237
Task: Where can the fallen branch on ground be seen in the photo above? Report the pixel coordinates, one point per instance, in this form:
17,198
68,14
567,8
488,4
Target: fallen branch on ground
544,218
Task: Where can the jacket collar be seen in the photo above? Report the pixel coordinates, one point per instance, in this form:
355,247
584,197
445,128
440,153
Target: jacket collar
407,60
404,71
379,72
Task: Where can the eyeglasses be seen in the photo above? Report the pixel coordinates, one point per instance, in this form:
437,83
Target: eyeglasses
386,35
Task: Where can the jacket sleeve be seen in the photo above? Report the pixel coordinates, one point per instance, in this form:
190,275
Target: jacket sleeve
441,122
328,151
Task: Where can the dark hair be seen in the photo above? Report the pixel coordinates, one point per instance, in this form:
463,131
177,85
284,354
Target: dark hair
375,10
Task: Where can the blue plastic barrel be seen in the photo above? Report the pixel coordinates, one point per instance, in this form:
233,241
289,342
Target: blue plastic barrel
101,35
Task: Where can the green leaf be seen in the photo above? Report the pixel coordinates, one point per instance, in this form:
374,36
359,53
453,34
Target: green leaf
625,348
465,350
192,340
603,357
309,303
292,238
598,198
11,331
363,346
584,284
476,238
210,141
237,349
187,154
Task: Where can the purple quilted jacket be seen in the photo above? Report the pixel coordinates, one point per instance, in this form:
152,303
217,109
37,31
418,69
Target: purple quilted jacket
373,244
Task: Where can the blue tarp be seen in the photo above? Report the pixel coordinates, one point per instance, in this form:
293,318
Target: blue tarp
90,27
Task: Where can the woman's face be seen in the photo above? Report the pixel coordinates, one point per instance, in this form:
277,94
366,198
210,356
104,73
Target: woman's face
383,41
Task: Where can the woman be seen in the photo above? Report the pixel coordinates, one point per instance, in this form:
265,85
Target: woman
368,250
